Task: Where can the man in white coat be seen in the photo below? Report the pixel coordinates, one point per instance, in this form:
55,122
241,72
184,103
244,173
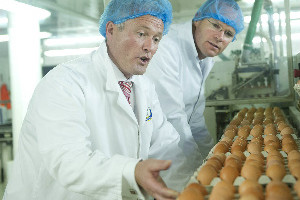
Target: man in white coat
83,138
183,62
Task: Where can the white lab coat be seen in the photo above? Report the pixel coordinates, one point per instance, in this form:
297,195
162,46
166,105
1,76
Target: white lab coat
179,78
81,140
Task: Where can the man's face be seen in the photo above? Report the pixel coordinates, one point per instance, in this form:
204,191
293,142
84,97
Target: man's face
132,48
211,37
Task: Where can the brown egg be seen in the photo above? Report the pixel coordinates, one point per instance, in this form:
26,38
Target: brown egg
257,122
255,163
237,147
230,134
270,130
251,172
256,132
268,121
275,152
221,157
270,147
276,172
206,174
254,148
270,138
276,144
294,169
248,186
294,154
215,163
274,162
246,122
277,190
256,156
229,173
287,130
235,122
190,193
228,140
254,195
198,187
259,127
243,133
232,127
297,187
281,126
233,160
221,147
222,190
240,154
289,147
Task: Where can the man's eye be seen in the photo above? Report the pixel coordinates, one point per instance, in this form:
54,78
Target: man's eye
141,34
156,39
217,26
229,34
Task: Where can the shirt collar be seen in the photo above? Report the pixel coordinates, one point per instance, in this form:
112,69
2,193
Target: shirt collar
119,75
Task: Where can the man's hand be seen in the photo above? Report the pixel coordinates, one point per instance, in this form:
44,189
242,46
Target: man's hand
147,176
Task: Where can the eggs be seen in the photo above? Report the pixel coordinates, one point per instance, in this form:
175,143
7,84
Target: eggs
256,147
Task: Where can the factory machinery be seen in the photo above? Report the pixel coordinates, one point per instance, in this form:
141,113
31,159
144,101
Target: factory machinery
261,74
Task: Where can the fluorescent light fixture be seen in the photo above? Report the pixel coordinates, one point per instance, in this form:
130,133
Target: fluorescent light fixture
5,38
73,40
68,52
3,21
18,7
295,36
264,17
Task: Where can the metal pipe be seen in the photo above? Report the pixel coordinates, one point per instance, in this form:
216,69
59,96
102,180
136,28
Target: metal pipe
255,15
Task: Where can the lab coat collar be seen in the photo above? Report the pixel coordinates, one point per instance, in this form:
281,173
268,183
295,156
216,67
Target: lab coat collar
112,82
188,35
140,100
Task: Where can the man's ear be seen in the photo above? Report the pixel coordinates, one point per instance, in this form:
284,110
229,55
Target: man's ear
109,28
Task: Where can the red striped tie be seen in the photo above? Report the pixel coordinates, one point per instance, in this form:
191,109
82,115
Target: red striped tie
126,88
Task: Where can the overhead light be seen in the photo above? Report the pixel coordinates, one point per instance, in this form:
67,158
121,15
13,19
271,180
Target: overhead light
294,36
18,7
43,35
73,40
264,17
69,52
4,38
3,21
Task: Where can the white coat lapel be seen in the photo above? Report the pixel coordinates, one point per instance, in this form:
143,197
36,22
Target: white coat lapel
141,101
112,85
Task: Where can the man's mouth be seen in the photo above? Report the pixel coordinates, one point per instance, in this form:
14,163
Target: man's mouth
216,46
145,59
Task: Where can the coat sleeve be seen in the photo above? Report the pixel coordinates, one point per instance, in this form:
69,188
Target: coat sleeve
165,145
63,137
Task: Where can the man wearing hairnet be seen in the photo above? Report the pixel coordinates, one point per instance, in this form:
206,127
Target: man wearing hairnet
93,124
183,62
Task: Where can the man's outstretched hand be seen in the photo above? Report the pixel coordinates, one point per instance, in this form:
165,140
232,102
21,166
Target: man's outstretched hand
147,176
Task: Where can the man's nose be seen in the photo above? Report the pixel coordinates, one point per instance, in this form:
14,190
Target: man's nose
148,45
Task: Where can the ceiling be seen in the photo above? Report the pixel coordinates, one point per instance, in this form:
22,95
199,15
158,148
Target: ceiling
80,17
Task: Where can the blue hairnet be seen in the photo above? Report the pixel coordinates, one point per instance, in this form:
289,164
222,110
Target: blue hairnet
118,11
226,11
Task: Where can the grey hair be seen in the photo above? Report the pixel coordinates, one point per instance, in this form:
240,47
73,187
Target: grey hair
121,26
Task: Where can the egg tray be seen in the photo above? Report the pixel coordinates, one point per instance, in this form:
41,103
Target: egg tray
263,180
